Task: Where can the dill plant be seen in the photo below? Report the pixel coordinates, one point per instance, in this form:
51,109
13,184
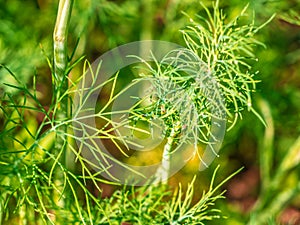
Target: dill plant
204,84
39,186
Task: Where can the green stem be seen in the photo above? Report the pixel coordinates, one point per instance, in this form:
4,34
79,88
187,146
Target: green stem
147,19
266,149
60,65
146,26
162,174
61,83
60,36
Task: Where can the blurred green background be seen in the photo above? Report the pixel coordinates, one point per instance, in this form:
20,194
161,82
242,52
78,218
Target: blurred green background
269,184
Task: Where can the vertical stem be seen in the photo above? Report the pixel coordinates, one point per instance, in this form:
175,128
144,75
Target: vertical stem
61,83
147,20
60,64
162,174
146,26
266,149
60,36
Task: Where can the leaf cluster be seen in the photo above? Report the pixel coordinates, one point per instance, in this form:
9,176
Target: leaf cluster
156,204
227,48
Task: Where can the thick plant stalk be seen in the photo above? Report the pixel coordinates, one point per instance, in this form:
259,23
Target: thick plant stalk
61,85
60,54
162,174
60,41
